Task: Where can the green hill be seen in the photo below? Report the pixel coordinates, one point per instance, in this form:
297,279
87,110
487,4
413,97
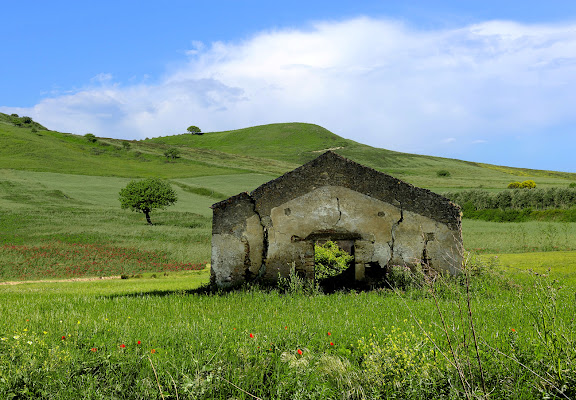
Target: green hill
21,122
268,150
26,148
297,143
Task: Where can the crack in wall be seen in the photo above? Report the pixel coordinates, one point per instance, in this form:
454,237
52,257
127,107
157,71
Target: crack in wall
339,211
265,242
247,273
426,261
393,232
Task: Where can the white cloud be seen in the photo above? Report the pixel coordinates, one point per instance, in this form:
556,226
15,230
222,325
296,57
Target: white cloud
375,81
102,78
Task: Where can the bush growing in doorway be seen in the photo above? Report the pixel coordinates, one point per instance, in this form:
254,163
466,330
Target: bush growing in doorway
330,260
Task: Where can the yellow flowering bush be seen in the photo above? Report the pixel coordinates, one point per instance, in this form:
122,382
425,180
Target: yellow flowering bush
398,356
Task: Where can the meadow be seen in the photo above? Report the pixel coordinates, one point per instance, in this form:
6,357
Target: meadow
164,337
505,329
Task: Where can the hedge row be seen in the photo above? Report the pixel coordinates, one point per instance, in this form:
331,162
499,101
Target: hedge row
537,199
526,214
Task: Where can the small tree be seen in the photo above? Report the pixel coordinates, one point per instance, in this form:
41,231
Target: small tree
172,154
126,145
194,130
147,195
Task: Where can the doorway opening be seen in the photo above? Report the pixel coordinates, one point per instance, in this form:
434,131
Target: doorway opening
334,263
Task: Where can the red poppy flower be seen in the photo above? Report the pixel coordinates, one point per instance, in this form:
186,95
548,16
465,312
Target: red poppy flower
93,349
329,334
153,351
63,337
331,344
122,345
139,342
513,330
251,335
299,351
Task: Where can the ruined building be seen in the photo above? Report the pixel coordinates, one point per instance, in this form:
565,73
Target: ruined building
379,219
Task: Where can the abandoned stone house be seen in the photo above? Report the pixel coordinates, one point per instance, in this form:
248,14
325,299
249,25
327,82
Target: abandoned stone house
377,218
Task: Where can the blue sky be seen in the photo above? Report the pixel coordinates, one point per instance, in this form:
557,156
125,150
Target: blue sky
486,81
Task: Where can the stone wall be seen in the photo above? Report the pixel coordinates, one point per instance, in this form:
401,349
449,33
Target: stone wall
387,221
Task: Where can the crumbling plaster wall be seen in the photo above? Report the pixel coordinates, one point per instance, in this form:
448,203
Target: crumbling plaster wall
332,210
264,233
237,241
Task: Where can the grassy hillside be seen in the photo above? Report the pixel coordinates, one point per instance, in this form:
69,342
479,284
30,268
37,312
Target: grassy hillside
297,143
21,122
290,142
26,148
269,150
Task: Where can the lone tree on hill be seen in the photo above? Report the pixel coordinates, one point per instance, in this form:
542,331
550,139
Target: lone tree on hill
194,130
147,195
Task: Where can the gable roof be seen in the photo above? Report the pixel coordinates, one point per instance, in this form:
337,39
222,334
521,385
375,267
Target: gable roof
331,169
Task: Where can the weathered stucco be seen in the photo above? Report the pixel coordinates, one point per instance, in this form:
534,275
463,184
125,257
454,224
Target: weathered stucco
384,220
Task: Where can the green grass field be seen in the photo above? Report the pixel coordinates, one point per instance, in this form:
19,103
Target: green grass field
160,335
162,340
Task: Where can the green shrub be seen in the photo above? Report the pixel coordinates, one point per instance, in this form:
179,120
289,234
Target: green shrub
330,260
90,137
403,278
172,154
572,185
443,173
296,284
